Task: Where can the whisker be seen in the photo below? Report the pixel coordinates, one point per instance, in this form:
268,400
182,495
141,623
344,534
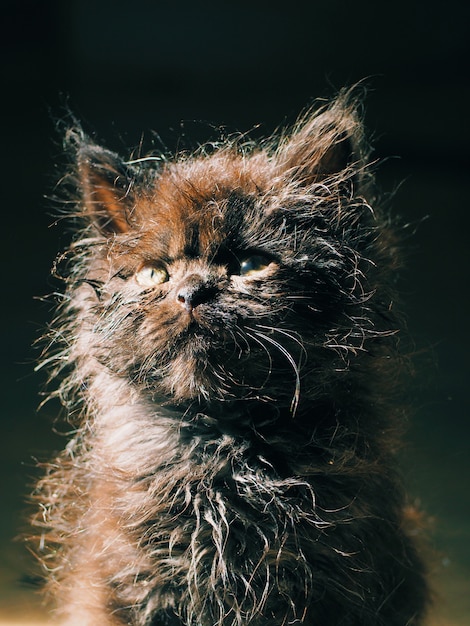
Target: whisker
290,359
259,342
290,334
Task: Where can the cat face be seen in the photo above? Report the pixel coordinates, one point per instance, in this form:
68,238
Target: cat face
227,276
194,293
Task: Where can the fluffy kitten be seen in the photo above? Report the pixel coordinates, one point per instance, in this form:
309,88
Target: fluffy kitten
228,357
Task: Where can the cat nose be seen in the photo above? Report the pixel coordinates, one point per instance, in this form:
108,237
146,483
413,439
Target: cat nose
194,290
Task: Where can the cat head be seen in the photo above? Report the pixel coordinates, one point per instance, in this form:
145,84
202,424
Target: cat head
243,273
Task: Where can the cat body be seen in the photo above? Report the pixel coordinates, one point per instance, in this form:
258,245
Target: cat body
227,351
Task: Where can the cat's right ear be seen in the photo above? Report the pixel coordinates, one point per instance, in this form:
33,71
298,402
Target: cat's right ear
106,185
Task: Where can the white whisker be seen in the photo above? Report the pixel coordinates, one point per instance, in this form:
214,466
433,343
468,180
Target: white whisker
258,341
258,336
290,334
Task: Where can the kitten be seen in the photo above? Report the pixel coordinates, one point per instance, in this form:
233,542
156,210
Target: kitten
227,350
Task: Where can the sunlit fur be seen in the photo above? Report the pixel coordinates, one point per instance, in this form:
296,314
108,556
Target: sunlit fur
233,460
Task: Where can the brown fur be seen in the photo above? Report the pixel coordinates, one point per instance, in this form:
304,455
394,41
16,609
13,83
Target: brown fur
236,428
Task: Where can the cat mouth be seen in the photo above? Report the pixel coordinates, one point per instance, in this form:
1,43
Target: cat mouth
194,319
198,316
201,324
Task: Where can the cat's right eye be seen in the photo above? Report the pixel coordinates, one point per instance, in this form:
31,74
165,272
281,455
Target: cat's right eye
151,276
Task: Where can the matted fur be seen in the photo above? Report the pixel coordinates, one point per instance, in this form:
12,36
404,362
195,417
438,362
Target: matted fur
226,350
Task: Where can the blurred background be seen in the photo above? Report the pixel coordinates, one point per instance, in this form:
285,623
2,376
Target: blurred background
126,68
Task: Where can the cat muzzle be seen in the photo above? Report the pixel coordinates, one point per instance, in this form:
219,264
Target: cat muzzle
193,291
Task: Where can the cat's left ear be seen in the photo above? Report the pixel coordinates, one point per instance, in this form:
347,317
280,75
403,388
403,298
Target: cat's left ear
325,144
106,185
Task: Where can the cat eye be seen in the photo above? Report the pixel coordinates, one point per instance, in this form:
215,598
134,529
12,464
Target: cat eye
253,264
151,276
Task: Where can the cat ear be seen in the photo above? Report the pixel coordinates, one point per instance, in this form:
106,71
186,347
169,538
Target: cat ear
324,144
107,185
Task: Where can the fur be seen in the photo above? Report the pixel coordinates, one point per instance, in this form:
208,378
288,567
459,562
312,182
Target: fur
227,352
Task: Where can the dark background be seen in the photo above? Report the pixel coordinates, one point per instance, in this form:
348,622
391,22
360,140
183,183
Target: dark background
126,67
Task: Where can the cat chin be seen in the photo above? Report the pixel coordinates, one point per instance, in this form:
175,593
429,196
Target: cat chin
187,378
196,390
193,381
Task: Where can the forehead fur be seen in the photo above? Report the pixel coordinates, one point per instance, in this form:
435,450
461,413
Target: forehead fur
202,202
186,187
198,201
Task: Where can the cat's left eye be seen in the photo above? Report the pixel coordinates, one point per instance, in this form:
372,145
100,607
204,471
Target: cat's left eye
253,264
151,276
